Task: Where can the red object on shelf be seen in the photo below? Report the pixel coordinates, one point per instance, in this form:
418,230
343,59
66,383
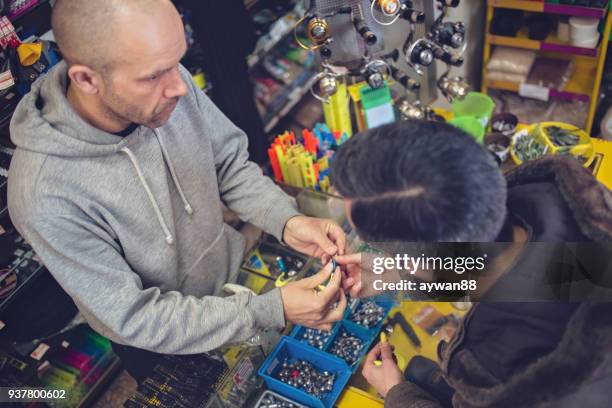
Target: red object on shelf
311,143
276,168
568,96
554,8
76,359
578,11
8,37
569,49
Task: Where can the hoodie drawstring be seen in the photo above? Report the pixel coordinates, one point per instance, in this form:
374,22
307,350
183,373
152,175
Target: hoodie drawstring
143,181
186,204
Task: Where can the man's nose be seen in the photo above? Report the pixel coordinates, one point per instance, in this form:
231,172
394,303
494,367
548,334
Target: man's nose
176,86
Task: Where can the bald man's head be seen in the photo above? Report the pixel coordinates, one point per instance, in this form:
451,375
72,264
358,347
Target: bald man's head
88,32
123,59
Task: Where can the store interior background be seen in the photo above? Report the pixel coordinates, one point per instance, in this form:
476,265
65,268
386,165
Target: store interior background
296,110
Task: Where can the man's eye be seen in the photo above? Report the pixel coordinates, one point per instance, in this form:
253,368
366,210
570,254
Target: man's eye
153,78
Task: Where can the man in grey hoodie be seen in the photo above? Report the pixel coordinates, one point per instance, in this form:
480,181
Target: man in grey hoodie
121,169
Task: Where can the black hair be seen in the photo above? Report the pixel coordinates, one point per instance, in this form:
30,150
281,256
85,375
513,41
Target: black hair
420,181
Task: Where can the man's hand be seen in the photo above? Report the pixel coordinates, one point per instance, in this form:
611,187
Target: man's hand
304,304
315,237
352,283
385,376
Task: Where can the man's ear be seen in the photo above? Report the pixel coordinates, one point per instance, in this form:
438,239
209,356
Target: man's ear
85,79
348,208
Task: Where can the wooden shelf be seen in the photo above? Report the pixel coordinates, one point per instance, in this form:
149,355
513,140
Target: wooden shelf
579,87
552,8
585,84
551,44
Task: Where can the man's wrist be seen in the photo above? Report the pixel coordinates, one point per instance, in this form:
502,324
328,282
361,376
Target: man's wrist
284,231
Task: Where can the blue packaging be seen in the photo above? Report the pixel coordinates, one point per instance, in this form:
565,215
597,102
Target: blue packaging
383,301
353,329
299,331
291,349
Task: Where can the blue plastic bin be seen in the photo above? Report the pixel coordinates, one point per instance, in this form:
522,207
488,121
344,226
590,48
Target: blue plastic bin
298,332
291,349
358,331
383,301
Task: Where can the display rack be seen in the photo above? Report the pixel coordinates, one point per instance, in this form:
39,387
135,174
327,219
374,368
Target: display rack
272,39
584,85
541,6
293,93
289,102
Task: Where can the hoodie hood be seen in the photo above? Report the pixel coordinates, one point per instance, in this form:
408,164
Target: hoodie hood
109,217
45,122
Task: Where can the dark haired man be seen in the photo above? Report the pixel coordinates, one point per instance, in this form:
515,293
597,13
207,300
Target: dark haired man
428,182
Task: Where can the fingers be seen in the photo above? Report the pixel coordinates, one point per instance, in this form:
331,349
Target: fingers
351,259
373,355
319,278
347,284
333,287
356,290
337,313
324,242
386,353
338,236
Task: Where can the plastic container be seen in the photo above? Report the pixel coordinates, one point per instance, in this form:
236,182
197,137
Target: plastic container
353,329
470,125
387,305
499,145
299,331
592,43
583,29
292,350
539,132
563,29
277,397
476,105
505,123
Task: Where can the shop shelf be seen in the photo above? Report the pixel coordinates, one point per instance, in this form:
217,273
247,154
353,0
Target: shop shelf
578,88
550,44
295,95
271,41
552,8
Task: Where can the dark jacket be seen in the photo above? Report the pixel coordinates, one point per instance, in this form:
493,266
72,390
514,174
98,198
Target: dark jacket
535,354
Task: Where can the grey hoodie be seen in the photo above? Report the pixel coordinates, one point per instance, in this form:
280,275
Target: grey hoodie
132,227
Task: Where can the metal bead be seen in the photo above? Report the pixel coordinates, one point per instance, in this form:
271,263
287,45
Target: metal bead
368,314
302,374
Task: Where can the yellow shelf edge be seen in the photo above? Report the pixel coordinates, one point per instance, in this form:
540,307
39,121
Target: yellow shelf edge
518,5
